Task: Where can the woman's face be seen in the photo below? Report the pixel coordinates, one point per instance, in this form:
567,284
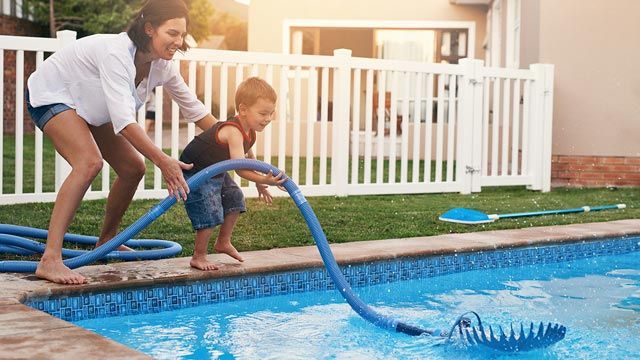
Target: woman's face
167,38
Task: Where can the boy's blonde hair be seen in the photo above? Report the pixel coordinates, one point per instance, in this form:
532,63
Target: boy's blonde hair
252,89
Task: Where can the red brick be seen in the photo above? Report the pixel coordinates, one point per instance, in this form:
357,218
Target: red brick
567,159
560,166
586,160
626,183
592,175
611,160
584,167
624,168
632,160
567,175
612,176
631,176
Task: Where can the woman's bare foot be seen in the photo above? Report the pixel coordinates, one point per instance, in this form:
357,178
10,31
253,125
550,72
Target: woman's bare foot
201,263
120,248
229,250
56,271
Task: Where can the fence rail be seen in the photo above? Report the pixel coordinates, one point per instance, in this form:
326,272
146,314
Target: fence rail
344,125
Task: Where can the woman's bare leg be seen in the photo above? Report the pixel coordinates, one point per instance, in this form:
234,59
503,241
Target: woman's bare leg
72,139
223,243
129,166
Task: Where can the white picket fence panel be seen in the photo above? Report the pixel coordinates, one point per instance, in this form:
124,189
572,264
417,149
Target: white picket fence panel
344,125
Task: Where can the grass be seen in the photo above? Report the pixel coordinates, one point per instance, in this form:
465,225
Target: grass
48,168
353,218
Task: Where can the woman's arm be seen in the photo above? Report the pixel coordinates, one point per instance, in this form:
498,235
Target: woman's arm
206,122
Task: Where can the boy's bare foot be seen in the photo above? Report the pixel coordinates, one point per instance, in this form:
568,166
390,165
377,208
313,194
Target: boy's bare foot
229,250
58,272
201,263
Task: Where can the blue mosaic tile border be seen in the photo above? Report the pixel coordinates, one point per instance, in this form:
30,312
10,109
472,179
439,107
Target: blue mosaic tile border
176,296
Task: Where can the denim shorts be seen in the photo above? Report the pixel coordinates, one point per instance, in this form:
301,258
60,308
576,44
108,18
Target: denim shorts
207,205
42,114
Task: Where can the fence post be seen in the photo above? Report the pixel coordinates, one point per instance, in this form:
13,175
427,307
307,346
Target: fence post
469,142
66,37
342,107
547,126
541,127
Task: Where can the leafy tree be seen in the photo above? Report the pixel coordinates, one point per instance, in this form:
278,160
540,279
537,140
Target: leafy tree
108,16
200,16
84,16
233,29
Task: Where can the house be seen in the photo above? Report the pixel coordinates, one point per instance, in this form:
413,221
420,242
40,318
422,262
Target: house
596,98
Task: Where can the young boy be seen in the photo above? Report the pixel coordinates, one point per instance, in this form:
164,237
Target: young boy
219,200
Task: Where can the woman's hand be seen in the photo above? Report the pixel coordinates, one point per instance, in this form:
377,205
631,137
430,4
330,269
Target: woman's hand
172,174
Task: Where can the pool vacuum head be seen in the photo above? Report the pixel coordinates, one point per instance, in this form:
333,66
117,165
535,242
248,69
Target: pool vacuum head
478,336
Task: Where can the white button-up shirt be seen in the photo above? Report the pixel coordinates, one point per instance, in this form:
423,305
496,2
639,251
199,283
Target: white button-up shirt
96,76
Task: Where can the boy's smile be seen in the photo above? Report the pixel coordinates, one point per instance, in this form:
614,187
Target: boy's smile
257,116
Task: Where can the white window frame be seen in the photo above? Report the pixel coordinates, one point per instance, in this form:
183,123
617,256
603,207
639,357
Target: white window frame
470,26
6,7
513,34
495,42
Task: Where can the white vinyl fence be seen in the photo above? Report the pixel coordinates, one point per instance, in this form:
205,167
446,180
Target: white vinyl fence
344,125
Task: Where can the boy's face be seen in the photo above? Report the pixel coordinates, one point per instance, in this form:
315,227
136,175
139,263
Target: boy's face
258,115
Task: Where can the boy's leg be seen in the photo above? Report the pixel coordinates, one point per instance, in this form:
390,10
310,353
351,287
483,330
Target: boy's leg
233,204
223,243
199,259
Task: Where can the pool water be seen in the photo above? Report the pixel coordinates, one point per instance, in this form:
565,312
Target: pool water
597,299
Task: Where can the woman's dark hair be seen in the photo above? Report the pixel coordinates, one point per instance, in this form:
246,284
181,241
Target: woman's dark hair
156,12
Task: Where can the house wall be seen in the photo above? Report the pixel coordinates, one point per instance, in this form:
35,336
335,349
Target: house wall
266,16
597,96
529,33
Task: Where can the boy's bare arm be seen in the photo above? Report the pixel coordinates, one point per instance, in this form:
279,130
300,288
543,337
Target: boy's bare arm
233,137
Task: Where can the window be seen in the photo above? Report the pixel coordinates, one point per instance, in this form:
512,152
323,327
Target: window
513,34
495,39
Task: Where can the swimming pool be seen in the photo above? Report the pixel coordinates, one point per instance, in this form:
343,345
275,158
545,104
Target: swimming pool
590,287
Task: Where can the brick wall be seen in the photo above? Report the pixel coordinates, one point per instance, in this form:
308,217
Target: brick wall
595,171
18,27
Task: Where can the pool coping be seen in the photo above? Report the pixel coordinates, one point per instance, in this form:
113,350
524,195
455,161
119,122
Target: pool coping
29,333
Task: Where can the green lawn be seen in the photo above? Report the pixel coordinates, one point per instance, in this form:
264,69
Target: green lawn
8,185
352,218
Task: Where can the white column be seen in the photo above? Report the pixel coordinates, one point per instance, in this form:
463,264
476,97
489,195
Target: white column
540,128
6,7
547,125
469,142
296,42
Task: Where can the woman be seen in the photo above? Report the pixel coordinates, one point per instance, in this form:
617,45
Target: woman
85,97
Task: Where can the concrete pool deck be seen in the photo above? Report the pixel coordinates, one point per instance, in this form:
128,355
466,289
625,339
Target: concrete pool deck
29,333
